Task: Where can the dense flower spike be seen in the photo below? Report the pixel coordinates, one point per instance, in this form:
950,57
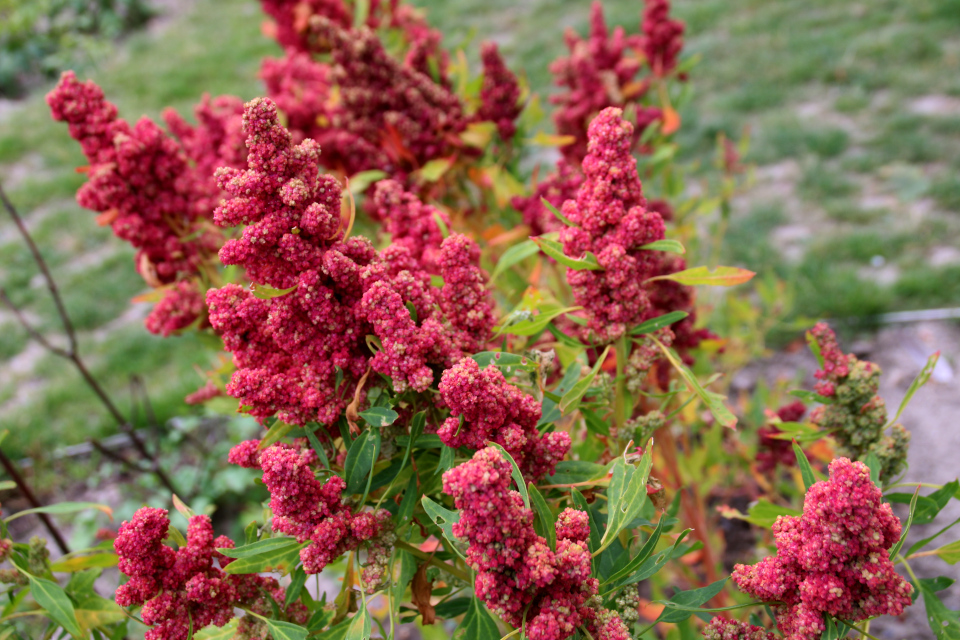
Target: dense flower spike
599,73
464,298
182,589
832,559
301,89
484,408
410,222
180,307
387,104
312,511
500,93
519,576
613,223
858,416
721,628
662,37
142,183
291,19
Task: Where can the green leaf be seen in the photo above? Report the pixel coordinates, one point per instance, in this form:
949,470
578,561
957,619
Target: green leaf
94,611
571,399
360,458
931,505
6,485
443,518
645,552
810,396
360,181
359,628
514,255
91,561
277,430
670,246
922,378
409,500
379,416
575,471
906,527
949,553
447,456
266,293
54,599
477,624
762,513
922,543
281,559
508,363
655,324
719,277
650,566
63,507
336,632
555,250
806,471
944,622
360,13
515,474
550,411
317,447
545,523
799,431
259,547
557,214
536,324
873,463
713,401
626,495
683,605
434,169
210,632
297,580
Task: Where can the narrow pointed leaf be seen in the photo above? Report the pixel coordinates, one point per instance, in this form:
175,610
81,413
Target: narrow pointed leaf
670,246
555,250
655,324
514,255
719,277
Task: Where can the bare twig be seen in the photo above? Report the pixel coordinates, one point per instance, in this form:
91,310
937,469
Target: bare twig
32,499
72,353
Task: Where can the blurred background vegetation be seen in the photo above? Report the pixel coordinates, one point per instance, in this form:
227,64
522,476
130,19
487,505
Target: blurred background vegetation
852,110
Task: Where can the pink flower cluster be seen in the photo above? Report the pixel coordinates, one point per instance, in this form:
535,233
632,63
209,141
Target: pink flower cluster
612,222
287,348
485,408
182,589
519,576
662,37
309,510
832,559
599,73
721,628
500,93
410,223
775,451
836,364
155,192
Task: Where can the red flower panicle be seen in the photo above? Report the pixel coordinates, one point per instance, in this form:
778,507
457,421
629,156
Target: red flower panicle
485,408
599,73
182,588
180,306
143,183
832,559
519,577
500,93
662,37
410,222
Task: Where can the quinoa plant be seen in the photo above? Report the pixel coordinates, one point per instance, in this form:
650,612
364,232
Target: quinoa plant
499,409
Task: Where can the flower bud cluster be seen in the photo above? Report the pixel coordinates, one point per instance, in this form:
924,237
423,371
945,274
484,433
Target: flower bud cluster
485,408
858,415
287,348
662,37
410,223
182,589
154,191
500,93
519,576
833,558
600,72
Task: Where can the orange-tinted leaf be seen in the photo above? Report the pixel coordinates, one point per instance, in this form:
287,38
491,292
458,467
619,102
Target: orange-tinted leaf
421,590
720,277
671,120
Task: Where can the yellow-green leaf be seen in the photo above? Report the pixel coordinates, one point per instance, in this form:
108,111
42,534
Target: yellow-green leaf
720,277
